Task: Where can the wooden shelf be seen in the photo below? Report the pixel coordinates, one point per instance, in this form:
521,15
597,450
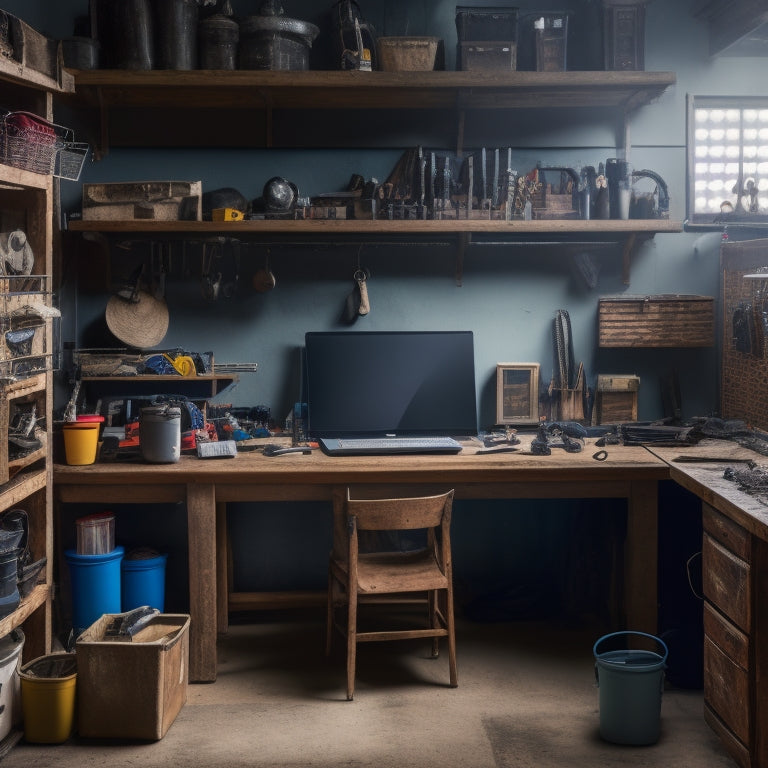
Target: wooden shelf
12,71
203,386
382,226
252,89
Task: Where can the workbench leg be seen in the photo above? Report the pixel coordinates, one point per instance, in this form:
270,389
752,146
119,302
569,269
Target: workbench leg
222,569
641,558
201,522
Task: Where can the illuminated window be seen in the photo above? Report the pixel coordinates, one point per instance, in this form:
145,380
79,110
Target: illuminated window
727,159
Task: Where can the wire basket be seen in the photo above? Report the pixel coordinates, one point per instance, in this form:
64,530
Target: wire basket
29,142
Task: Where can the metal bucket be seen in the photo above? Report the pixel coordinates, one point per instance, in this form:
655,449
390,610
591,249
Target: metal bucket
631,683
175,24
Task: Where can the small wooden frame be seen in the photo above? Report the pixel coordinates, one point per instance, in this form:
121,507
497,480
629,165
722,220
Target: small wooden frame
517,393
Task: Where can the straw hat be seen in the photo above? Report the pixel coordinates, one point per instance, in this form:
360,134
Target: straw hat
142,323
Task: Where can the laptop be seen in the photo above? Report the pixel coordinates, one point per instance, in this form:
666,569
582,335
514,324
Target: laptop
390,392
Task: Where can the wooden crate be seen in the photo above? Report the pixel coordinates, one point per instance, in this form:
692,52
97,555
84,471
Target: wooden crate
616,399
128,201
656,321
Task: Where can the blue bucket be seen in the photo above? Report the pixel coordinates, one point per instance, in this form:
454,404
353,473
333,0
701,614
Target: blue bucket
95,585
631,683
144,583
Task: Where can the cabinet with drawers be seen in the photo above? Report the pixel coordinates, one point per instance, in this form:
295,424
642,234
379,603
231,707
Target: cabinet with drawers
735,658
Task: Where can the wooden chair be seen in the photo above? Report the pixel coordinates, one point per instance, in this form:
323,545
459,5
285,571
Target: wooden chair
356,574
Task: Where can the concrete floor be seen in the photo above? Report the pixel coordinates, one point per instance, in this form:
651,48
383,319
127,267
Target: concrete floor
526,698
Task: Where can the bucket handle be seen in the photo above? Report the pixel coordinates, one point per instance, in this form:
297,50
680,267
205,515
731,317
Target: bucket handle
632,632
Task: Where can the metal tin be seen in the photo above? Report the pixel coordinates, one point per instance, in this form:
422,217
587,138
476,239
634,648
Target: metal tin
175,33
217,43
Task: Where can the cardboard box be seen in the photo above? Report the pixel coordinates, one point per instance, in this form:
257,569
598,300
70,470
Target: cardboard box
132,688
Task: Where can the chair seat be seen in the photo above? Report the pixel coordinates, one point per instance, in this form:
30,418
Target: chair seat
388,572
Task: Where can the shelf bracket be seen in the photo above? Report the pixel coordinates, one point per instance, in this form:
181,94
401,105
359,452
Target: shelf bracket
460,133
102,149
464,240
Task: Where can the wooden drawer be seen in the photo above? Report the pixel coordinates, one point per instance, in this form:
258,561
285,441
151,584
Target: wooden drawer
656,321
726,690
727,584
731,535
729,638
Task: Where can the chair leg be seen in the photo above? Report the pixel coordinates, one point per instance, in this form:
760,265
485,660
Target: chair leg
432,598
351,645
451,627
329,614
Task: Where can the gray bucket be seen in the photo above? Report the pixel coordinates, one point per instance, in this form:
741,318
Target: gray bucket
631,684
160,434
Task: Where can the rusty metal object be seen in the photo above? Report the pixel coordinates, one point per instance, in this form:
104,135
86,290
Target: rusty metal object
271,40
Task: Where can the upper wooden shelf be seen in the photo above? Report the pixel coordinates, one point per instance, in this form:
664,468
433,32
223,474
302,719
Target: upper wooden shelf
14,72
256,89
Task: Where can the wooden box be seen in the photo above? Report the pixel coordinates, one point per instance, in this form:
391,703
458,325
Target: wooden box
616,399
132,688
30,48
158,200
656,321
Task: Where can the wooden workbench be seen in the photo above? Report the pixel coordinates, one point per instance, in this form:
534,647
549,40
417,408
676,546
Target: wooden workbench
735,586
631,473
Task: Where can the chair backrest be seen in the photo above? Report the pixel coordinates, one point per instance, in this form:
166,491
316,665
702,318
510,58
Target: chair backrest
390,514
401,514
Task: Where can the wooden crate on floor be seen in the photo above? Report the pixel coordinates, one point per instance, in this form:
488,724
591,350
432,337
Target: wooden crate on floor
656,321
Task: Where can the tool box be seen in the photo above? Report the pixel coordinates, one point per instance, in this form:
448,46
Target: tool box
132,686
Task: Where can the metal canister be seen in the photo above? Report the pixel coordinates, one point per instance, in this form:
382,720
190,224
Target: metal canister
160,434
175,33
217,44
125,34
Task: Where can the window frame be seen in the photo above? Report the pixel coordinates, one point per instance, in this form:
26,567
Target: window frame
716,219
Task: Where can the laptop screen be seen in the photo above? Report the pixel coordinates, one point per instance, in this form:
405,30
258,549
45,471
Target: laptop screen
373,384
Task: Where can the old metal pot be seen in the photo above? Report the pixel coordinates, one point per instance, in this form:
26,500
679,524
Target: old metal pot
270,40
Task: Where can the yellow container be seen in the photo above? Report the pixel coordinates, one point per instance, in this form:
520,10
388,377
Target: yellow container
81,439
48,687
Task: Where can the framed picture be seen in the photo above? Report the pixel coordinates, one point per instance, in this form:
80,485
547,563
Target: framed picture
517,393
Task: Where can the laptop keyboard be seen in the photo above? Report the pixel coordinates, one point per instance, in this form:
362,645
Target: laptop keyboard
395,444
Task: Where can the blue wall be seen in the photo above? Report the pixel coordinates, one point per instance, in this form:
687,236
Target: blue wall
509,293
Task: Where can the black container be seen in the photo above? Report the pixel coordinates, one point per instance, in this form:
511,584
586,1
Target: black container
474,24
218,38
80,53
125,34
175,25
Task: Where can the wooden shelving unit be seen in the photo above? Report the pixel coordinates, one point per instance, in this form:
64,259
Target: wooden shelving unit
27,203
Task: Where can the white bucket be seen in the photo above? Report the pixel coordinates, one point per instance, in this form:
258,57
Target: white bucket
10,684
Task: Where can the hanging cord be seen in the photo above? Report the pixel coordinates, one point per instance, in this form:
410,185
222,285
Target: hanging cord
688,574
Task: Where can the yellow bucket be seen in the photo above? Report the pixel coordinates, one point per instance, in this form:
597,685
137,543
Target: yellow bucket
48,686
81,439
